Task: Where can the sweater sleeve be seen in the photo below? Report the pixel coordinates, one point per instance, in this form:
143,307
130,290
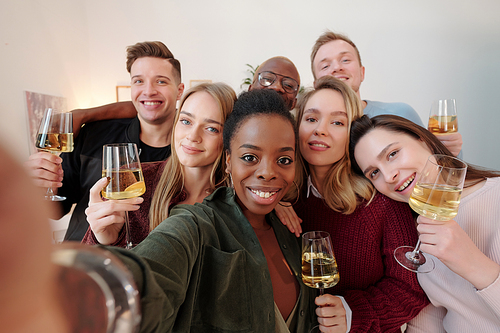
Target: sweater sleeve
430,319
138,220
90,238
397,297
161,267
491,296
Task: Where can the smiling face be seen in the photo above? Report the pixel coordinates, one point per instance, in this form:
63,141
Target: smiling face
154,89
323,129
392,161
339,59
198,131
261,163
282,68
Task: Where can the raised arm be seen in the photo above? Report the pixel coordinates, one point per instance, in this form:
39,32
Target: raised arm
452,141
109,111
28,298
161,266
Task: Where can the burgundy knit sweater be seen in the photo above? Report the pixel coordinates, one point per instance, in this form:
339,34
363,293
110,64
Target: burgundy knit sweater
381,294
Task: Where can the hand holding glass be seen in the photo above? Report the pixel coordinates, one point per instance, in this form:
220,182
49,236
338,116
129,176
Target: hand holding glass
443,116
436,195
55,136
121,165
319,267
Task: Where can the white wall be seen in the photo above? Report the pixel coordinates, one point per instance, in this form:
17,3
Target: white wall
413,52
44,49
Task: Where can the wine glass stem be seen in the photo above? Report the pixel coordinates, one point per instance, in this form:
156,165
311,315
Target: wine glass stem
128,241
50,192
417,248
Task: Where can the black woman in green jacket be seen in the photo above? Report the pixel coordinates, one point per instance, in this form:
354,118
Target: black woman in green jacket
228,264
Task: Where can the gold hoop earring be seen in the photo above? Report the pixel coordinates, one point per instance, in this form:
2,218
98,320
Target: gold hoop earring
296,199
231,185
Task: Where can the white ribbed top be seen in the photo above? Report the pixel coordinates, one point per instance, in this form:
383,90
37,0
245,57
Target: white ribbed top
456,305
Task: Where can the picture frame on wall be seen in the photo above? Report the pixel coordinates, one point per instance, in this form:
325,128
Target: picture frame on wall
36,104
194,83
123,93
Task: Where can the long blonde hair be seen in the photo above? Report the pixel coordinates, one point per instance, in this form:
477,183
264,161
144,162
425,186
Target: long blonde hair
342,187
171,182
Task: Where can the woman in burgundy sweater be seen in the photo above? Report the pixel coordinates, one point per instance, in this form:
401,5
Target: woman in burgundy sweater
377,294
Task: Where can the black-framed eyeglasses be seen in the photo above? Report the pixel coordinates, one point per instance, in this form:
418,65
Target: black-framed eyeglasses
289,85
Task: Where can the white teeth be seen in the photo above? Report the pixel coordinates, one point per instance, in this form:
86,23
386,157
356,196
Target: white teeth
319,145
151,103
406,183
263,194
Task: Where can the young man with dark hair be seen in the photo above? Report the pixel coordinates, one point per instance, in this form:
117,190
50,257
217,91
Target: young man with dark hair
155,87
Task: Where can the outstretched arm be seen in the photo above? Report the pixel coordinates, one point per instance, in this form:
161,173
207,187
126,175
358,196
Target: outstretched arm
109,111
28,298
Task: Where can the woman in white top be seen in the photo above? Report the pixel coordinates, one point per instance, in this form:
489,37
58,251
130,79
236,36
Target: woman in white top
464,287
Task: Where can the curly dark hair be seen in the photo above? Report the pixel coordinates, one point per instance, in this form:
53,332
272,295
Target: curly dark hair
251,103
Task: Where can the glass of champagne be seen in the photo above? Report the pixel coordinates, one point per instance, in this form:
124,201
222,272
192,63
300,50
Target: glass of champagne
319,267
121,165
55,136
436,195
443,116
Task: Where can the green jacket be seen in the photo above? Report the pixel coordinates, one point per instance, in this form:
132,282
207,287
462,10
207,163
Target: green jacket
203,270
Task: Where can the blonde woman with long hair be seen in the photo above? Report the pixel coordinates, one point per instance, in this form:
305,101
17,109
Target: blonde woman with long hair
194,170
374,293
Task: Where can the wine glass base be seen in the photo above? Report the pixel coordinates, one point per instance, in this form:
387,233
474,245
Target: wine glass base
54,198
416,263
315,329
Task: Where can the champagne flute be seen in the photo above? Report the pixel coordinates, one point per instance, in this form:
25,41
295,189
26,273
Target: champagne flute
121,165
55,136
436,195
106,283
319,267
443,116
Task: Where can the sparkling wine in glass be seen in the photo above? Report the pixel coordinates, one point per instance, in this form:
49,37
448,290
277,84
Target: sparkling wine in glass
436,195
319,267
55,136
121,165
443,116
